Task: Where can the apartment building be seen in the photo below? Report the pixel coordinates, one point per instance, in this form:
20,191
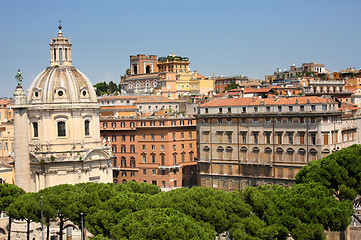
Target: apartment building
159,150
252,141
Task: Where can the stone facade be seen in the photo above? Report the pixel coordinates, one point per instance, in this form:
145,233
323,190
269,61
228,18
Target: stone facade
251,141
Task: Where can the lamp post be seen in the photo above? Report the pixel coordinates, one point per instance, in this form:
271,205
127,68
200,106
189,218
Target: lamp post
82,226
42,225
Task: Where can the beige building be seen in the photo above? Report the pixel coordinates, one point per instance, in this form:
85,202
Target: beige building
57,134
251,141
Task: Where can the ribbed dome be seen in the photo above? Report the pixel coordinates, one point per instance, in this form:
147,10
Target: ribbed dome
61,84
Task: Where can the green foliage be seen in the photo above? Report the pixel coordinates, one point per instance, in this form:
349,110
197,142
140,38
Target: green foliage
163,223
231,86
104,88
339,171
8,193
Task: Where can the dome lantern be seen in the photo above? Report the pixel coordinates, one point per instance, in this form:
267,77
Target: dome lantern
60,50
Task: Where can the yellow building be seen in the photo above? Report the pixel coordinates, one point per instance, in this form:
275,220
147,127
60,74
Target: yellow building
173,63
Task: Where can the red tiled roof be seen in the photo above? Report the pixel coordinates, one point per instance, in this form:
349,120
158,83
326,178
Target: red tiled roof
267,101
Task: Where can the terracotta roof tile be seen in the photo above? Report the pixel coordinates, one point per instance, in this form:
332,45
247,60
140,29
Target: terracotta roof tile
245,101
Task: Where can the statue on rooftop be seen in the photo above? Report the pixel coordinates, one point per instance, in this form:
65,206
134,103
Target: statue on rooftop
19,77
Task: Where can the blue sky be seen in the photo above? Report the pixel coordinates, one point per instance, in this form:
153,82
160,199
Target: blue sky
249,37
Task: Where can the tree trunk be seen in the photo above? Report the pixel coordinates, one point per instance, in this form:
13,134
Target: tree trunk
47,229
61,228
9,229
28,229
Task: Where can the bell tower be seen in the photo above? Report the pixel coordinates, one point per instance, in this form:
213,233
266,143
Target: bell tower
60,50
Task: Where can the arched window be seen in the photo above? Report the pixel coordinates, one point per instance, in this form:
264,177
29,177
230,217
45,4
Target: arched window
135,69
132,162
86,127
147,69
66,54
123,162
61,129
35,129
61,56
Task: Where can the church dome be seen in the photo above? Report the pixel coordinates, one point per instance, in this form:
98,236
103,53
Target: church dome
61,82
61,85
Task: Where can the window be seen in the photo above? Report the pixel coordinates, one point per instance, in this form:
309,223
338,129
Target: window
290,108
163,182
143,137
191,156
313,120
132,124
113,125
153,171
61,129
268,120
190,122
268,137
132,174
313,107
219,110
35,128
162,147
229,137
182,146
182,122
173,136
114,148
174,147
122,124
124,174
302,108
182,136
123,163
153,159
132,162
279,138
175,184
244,137
183,157
255,120
143,147
152,123
290,138
174,160
290,120
144,171
313,138
114,138
255,109
86,127
190,145
162,160
161,123
152,136
123,138
229,110
132,148
123,149
268,109
190,135
173,123
220,121
132,138
324,107
143,124
153,147
144,159
206,110
302,119
154,182
280,108
302,138
162,136
244,109
163,172
255,134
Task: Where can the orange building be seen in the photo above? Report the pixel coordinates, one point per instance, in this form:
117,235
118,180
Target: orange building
159,150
